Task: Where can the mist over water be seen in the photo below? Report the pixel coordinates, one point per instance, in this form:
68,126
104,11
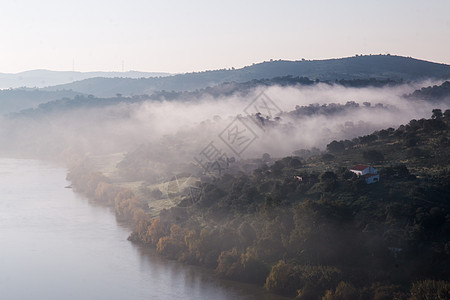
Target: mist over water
57,245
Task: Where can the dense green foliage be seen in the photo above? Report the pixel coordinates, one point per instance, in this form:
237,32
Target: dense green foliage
329,235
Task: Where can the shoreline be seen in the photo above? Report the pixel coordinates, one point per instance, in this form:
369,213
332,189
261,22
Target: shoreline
87,243
129,212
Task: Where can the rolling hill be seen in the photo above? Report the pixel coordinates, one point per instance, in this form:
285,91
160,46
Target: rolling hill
358,67
44,78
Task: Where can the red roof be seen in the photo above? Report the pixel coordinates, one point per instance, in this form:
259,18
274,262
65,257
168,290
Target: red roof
359,167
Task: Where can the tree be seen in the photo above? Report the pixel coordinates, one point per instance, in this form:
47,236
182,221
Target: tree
348,175
171,246
430,289
368,138
383,133
329,181
243,266
283,279
447,113
437,114
228,264
344,291
335,147
277,168
155,231
266,157
295,163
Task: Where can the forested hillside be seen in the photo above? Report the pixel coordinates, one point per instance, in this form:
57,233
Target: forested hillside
305,225
436,93
38,101
358,67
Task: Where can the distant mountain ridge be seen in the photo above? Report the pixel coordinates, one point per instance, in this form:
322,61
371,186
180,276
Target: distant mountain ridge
44,78
14,100
358,67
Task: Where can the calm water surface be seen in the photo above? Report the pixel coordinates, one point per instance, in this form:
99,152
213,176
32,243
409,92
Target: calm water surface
54,244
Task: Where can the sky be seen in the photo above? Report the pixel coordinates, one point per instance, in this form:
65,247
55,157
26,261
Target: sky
186,36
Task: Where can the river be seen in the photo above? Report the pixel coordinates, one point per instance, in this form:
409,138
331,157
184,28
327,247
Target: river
54,244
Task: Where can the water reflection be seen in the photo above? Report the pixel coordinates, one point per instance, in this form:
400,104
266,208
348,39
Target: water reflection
197,279
55,245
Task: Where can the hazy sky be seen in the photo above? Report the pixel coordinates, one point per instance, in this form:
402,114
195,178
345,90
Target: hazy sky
183,36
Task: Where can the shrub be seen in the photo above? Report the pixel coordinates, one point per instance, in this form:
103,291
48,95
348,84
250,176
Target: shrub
430,290
283,279
344,291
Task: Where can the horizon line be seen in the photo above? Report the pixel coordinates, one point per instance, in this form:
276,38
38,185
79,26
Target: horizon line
219,69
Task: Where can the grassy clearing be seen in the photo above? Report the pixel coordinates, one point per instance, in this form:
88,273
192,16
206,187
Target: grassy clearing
106,164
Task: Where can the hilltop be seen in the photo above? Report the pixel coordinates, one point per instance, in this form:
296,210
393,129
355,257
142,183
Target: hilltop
358,67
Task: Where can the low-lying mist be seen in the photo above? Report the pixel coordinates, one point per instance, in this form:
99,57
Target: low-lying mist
177,131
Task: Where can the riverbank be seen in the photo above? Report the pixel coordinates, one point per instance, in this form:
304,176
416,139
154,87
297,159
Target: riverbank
58,245
140,215
306,228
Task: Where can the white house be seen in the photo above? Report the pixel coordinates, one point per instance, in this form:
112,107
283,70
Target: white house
370,174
